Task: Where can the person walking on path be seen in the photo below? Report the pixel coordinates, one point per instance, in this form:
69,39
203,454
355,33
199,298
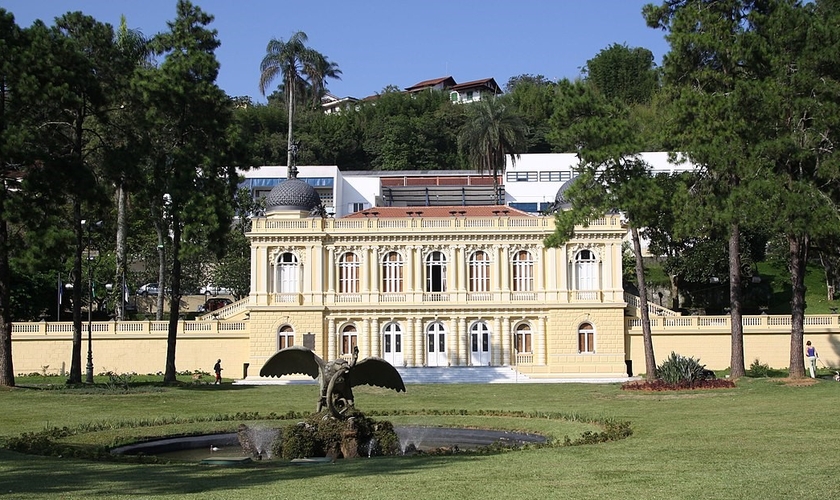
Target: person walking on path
218,369
811,354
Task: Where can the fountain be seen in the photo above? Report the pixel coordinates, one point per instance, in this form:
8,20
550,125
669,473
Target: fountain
337,429
258,442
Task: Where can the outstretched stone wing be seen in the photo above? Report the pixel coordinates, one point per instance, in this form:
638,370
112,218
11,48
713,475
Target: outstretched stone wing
378,372
292,360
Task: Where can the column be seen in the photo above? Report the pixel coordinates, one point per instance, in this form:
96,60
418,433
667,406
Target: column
462,269
452,342
496,343
409,345
332,344
417,266
375,335
256,265
463,335
540,342
374,270
408,269
364,339
331,263
505,267
506,341
364,269
420,342
540,261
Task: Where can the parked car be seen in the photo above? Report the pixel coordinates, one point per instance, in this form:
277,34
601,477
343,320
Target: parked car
214,303
148,289
215,290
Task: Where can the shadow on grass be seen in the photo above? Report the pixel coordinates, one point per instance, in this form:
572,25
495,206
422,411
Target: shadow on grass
24,474
133,387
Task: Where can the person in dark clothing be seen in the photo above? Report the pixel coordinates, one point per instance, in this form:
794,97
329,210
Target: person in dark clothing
218,369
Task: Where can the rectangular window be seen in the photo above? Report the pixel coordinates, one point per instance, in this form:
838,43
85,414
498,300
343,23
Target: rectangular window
523,342
586,341
512,176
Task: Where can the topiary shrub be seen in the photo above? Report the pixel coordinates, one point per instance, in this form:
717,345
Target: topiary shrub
681,370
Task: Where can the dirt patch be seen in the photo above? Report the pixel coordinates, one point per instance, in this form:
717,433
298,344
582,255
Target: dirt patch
797,382
661,385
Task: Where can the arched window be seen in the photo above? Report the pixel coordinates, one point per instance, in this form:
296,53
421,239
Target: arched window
348,273
349,339
523,338
479,267
285,337
586,270
523,271
392,273
436,272
586,338
288,274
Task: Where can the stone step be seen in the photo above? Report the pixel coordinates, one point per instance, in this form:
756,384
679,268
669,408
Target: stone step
462,375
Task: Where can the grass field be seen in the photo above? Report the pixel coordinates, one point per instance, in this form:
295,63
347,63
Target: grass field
764,439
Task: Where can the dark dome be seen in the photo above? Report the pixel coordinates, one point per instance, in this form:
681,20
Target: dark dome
292,194
560,201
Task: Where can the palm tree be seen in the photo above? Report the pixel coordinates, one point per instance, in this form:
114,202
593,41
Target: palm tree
296,63
492,131
321,70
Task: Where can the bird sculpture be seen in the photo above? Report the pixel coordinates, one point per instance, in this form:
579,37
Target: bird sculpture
335,379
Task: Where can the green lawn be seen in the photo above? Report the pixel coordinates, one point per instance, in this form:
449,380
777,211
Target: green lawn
761,440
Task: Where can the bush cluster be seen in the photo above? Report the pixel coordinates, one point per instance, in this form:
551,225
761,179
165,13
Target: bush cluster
681,370
758,369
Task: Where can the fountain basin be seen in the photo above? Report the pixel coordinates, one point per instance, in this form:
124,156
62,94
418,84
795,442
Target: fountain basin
421,438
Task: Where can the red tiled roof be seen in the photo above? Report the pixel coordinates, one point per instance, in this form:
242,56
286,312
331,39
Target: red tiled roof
448,211
486,82
448,81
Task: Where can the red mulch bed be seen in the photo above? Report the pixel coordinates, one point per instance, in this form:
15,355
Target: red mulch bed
661,385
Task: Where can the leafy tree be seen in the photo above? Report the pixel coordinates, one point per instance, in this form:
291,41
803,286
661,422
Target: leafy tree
797,60
753,87
124,147
191,181
85,70
623,73
532,97
12,43
491,134
707,77
611,176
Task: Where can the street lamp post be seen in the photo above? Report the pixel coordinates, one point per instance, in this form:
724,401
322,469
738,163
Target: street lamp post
89,374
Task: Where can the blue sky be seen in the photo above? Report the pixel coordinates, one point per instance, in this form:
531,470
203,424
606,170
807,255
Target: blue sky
379,43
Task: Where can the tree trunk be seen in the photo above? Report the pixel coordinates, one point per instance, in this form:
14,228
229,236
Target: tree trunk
119,277
76,351
161,248
736,363
650,360
675,291
174,303
7,373
798,259
291,109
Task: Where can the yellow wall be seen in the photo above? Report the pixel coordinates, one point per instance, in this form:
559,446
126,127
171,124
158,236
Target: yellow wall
142,351
713,346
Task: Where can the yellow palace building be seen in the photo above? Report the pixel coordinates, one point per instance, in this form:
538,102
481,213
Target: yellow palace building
436,287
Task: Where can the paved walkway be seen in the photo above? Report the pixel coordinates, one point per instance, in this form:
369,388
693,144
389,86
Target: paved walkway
454,375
